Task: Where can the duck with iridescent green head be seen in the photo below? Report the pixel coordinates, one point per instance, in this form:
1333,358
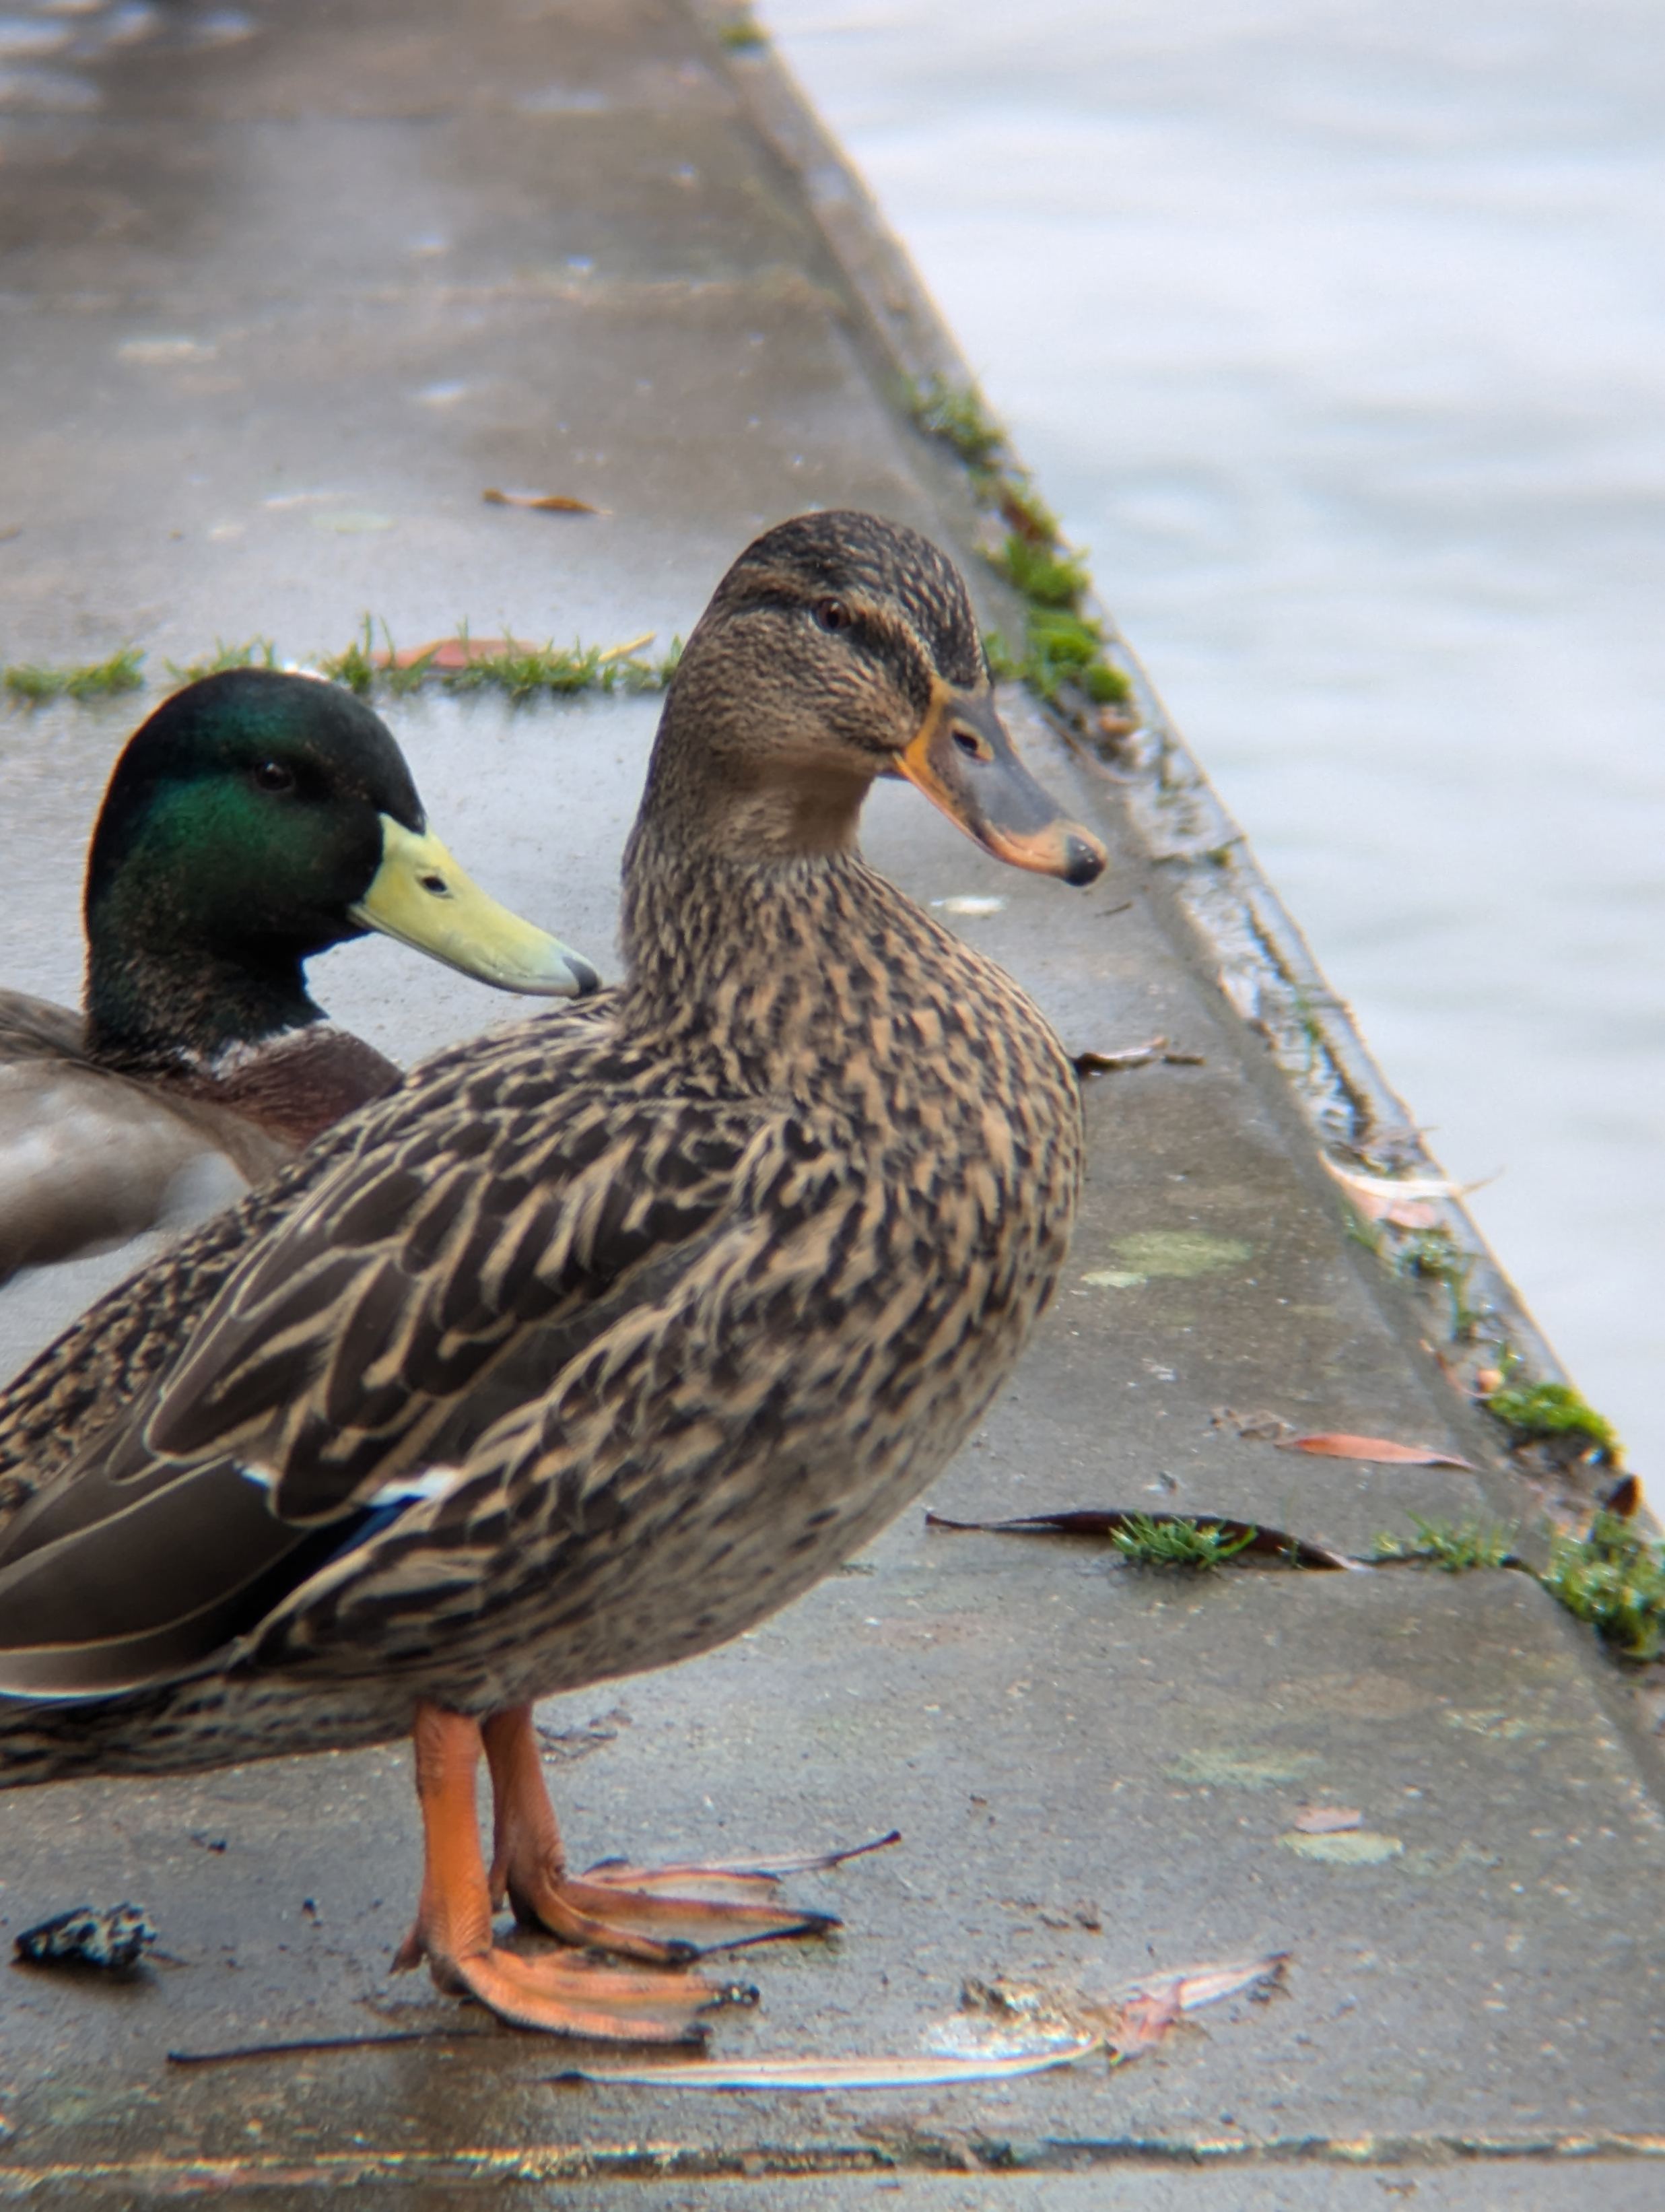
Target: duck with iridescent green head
255,819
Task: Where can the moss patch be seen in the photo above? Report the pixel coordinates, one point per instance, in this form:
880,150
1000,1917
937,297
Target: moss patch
1536,1412
36,686
1614,1579
1358,1847
1241,1770
1064,659
1181,1252
1455,1549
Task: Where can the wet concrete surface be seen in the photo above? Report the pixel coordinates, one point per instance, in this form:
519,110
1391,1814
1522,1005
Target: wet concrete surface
1096,1769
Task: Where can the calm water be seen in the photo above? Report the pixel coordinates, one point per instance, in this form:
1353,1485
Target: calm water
1338,333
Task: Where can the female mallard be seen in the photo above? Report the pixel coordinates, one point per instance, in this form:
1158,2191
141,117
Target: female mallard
603,1338
253,820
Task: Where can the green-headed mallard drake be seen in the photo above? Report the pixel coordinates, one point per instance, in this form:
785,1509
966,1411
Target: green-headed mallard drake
253,820
605,1336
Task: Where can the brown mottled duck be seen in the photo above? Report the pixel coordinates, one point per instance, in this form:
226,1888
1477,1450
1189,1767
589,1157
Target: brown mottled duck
253,820
605,1336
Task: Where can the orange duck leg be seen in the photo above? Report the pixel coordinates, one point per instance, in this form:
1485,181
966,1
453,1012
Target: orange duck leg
665,1915
562,1995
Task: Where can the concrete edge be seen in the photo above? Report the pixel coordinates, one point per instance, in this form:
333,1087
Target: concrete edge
1244,934
1204,871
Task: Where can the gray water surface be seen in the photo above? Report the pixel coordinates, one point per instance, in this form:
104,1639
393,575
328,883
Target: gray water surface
1337,332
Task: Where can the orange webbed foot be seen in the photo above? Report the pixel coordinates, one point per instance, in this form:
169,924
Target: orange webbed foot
559,1995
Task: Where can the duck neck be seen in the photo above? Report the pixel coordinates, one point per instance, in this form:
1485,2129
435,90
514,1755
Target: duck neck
154,1009
769,967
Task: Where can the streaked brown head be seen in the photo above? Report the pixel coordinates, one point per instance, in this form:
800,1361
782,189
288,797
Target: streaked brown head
840,647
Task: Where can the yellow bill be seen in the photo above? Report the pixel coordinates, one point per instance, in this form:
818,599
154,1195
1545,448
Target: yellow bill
420,895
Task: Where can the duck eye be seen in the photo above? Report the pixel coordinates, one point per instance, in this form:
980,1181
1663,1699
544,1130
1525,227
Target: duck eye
833,614
272,776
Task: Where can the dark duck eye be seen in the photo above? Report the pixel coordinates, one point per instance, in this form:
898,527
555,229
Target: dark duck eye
272,776
833,614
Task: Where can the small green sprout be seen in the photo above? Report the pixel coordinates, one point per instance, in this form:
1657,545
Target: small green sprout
1614,1579
355,667
1537,1410
1454,1549
742,33
1178,1542
255,653
94,679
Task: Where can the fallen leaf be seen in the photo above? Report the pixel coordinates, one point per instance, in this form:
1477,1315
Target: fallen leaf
545,502
1106,1521
1048,2031
1132,1055
1404,1200
452,653
627,1876
1337,1444
1135,1055
1327,1819
1623,1499
804,2073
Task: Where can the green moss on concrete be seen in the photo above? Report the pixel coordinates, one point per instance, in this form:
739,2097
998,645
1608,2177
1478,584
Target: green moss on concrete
1457,1548
255,652
1065,656
37,686
1614,1579
1537,1411
742,33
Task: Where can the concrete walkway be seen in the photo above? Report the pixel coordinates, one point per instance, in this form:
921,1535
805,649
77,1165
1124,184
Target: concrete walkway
287,292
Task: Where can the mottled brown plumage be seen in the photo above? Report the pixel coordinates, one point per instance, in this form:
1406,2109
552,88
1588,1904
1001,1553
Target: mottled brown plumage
605,1338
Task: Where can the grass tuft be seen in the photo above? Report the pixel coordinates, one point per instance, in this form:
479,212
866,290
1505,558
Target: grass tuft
1614,1579
92,680
257,652
1539,1411
1455,1549
520,672
1199,1545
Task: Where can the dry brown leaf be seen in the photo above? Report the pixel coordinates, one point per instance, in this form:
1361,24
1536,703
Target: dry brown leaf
545,502
1340,1445
1327,1819
1132,1055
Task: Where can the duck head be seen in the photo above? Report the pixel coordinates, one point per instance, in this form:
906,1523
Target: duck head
838,648
256,819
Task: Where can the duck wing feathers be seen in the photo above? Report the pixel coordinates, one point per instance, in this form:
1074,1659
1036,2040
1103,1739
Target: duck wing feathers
458,1248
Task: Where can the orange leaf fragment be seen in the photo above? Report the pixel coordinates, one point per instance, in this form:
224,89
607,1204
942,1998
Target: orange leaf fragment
1328,1820
448,652
1340,1445
545,502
